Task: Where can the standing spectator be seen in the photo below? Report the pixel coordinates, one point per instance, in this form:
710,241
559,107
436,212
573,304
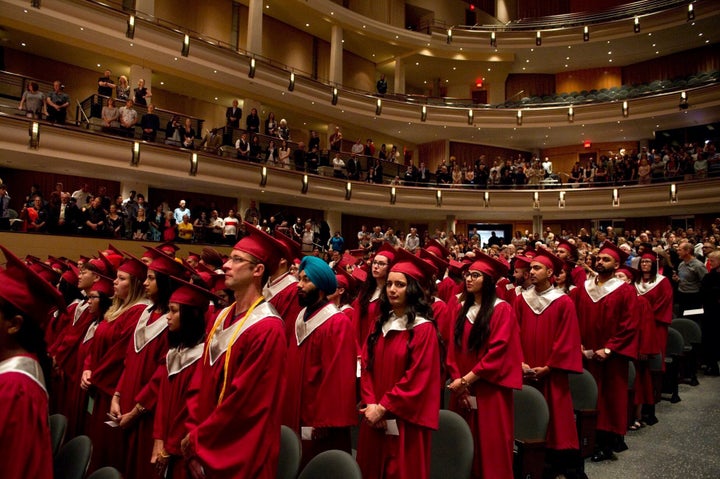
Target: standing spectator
233,115
4,207
106,85
172,132
122,91
230,227
169,229
181,211
212,141
382,85
33,102
252,212
142,93
314,140
242,146
271,125
255,149
156,220
57,103
284,156
299,157
337,242
710,294
358,148
140,226
353,168
36,216
412,241
335,140
252,122
187,135
128,118
110,114
307,238
150,124
338,166
185,230
114,223
95,219
82,196
689,276
283,131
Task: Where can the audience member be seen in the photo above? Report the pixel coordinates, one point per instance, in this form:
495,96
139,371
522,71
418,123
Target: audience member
106,85
335,140
187,134
233,115
57,103
181,211
150,124
271,125
252,122
110,114
33,102
128,118
142,93
122,91
172,132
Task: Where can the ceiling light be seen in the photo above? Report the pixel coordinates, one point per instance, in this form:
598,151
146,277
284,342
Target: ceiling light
586,34
625,109
186,46
493,39
130,32
691,12
538,39
636,25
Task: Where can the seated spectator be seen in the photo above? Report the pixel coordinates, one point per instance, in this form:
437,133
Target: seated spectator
142,93
212,141
57,103
128,119
110,114
122,91
187,134
338,166
140,226
242,146
283,131
284,155
150,124
35,216
185,230
33,102
172,132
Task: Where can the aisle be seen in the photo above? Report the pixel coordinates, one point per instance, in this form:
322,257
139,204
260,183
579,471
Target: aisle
684,444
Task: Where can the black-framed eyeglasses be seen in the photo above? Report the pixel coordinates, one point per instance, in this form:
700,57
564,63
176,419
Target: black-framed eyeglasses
474,275
93,296
379,263
240,259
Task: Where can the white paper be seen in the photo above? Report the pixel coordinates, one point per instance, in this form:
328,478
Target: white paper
391,427
306,433
693,312
112,423
472,400
358,368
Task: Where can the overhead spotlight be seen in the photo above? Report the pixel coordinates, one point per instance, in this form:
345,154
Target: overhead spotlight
625,109
34,135
636,25
449,36
305,185
186,46
423,113
135,160
470,117
378,107
348,190
291,85
615,198
536,200
683,100
438,198
518,118
538,39
493,39
486,199
586,34
571,114
393,195
673,194
263,176
193,164
251,72
691,12
334,96
130,32
561,200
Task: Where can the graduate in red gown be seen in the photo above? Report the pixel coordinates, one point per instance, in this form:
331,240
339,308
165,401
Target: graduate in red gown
234,418
186,332
345,293
135,396
105,361
568,252
281,289
605,308
400,379
367,305
319,401
25,303
550,341
485,360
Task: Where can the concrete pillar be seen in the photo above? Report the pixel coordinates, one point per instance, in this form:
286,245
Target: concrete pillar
136,73
254,27
138,187
334,221
399,76
537,225
145,6
450,223
336,55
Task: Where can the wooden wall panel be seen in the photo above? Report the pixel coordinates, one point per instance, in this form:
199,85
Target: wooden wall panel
678,65
590,79
433,153
529,84
470,152
564,157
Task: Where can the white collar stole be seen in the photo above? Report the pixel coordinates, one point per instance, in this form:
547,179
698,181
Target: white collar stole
539,302
643,288
271,289
399,323
179,359
26,366
79,309
221,339
303,329
144,334
475,309
598,292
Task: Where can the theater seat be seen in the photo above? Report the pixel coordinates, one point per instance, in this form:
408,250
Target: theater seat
105,473
58,426
692,338
331,465
73,458
531,422
675,347
584,392
290,453
452,448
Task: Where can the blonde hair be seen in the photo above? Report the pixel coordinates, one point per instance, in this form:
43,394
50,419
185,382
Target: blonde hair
123,77
119,306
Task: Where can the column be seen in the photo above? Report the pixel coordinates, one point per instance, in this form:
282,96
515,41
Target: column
334,221
538,225
336,55
505,10
254,27
145,6
139,188
450,223
399,76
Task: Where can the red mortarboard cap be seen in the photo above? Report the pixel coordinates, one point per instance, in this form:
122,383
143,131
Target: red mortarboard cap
291,247
609,248
347,281
26,290
162,263
632,273
71,275
456,268
262,246
134,267
57,264
29,259
103,285
649,255
387,251
191,294
522,261
342,281
417,268
440,263
549,260
83,259
360,274
168,248
566,245
111,262
96,265
45,272
111,249
192,254
435,247
489,265
217,282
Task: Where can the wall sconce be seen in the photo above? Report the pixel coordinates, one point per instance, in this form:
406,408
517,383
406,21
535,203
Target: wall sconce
538,38
673,194
291,85
470,117
625,109
486,199
193,164
263,176
423,113
34,135
334,96
348,190
493,39
305,185
186,46
683,100
393,196
571,114
130,32
615,198
561,200
586,34
691,12
636,25
536,200
251,72
438,198
135,160
378,107
518,119
449,36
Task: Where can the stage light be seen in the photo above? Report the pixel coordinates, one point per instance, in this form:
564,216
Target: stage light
538,39
636,25
291,85
586,34
423,113
305,185
34,133
263,176
348,190
193,164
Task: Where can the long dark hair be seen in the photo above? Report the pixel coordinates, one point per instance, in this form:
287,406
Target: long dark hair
417,304
30,337
165,287
480,330
653,272
69,291
192,327
368,290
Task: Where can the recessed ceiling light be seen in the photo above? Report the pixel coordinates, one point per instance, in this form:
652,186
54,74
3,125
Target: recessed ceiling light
523,68
97,64
215,98
654,44
489,69
454,68
25,10
700,34
532,49
332,13
267,6
417,64
162,82
569,47
396,37
610,60
214,71
566,65
312,102
650,34
609,53
657,52
567,58
82,29
364,26
527,61
460,48
343,40
307,24
132,45
175,58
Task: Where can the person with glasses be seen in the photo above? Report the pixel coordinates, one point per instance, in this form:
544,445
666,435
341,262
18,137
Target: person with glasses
366,305
484,360
234,412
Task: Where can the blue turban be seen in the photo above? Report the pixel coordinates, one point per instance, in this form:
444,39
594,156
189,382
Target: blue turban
319,273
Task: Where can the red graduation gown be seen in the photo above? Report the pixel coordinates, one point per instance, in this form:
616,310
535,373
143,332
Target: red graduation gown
448,288
365,324
320,390
550,336
282,294
609,321
660,296
405,380
25,448
644,393
240,437
499,367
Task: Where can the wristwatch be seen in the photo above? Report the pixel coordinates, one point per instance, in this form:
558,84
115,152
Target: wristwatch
607,351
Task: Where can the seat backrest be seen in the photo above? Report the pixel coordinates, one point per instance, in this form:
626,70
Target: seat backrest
290,452
452,449
332,464
58,426
655,362
689,329
106,473
531,414
584,391
631,375
73,458
675,343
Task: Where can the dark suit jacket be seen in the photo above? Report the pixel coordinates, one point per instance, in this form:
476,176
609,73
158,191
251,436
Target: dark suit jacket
237,115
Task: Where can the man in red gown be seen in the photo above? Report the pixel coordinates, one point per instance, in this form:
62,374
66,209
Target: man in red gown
234,415
281,289
608,330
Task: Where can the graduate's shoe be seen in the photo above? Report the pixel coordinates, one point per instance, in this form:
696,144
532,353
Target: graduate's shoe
650,420
675,399
620,445
603,455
